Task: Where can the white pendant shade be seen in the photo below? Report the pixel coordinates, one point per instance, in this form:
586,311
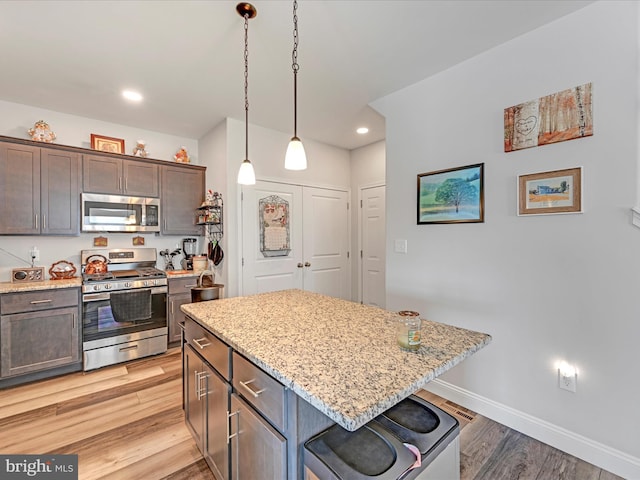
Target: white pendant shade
246,175
295,158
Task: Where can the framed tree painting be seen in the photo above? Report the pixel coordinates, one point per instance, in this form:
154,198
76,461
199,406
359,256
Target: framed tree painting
455,195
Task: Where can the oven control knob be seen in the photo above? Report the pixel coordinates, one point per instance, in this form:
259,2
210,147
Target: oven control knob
145,283
96,287
107,286
127,284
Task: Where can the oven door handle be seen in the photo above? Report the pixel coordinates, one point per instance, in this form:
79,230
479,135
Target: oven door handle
95,297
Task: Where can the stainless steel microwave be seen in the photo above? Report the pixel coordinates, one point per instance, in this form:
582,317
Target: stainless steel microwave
116,213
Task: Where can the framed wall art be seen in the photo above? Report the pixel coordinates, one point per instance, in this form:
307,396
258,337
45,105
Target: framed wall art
455,195
558,191
107,144
275,237
561,116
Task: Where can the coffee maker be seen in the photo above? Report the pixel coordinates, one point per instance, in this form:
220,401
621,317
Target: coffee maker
189,248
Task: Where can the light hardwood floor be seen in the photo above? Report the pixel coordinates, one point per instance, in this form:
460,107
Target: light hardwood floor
126,422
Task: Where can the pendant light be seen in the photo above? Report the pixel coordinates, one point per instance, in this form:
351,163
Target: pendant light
246,175
295,158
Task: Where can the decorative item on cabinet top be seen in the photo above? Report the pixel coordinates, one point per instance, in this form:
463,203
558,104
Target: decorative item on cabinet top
62,270
107,144
140,150
182,156
41,132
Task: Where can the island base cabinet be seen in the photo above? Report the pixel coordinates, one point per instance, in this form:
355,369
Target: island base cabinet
257,449
206,397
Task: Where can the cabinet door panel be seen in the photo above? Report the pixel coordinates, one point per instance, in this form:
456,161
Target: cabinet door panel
101,174
36,341
175,315
217,451
19,189
182,193
193,405
140,178
253,435
60,187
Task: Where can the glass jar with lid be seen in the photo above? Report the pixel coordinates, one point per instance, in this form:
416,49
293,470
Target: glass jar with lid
408,330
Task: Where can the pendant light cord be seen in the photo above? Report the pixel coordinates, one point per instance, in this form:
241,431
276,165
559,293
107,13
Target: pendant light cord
295,67
246,85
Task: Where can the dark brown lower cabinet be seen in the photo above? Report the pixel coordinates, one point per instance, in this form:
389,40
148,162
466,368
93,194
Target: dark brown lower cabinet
41,331
206,409
250,434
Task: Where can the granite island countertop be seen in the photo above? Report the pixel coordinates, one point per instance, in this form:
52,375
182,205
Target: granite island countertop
342,357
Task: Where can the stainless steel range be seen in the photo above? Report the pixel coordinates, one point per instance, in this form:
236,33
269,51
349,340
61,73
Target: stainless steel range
124,309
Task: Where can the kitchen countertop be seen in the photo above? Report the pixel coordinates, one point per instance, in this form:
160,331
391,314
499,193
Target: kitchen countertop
9,287
340,356
182,273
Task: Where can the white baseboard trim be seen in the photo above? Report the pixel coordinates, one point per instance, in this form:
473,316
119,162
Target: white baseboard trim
598,454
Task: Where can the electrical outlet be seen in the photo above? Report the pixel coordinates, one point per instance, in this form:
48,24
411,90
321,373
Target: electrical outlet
34,254
567,380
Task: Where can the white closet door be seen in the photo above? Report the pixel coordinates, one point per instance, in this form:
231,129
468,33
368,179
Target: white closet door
318,238
326,242
266,274
373,246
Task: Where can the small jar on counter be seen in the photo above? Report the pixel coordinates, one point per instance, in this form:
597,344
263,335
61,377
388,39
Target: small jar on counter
408,330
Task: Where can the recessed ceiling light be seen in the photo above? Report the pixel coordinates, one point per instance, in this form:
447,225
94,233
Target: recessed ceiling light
131,95
362,130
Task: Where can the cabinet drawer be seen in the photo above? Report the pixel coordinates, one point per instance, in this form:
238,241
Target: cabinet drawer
182,285
260,389
38,300
214,351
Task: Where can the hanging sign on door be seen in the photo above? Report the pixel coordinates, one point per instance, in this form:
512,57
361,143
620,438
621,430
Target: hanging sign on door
274,226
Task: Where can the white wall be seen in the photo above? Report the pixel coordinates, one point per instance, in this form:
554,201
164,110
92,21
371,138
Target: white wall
367,170
16,119
547,288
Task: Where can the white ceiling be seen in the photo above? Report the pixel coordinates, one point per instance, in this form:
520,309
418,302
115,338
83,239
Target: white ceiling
186,58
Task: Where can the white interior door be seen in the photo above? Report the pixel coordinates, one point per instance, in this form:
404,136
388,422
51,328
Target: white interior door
318,259
373,246
262,273
326,242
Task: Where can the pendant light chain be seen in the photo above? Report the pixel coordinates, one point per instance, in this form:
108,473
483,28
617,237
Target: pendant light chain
295,67
246,84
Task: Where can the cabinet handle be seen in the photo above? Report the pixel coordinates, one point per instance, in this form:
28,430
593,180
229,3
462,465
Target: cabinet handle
255,393
130,347
202,391
300,265
125,183
196,383
229,415
198,340
36,302
307,264
44,221
191,286
73,323
35,224
120,183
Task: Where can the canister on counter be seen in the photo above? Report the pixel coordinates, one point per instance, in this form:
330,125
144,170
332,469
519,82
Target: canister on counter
408,330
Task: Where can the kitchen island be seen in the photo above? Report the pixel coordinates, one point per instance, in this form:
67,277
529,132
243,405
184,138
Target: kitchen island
339,357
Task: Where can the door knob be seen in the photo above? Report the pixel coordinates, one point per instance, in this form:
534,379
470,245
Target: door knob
307,264
299,265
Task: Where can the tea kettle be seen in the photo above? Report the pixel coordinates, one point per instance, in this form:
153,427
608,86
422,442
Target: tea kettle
97,266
